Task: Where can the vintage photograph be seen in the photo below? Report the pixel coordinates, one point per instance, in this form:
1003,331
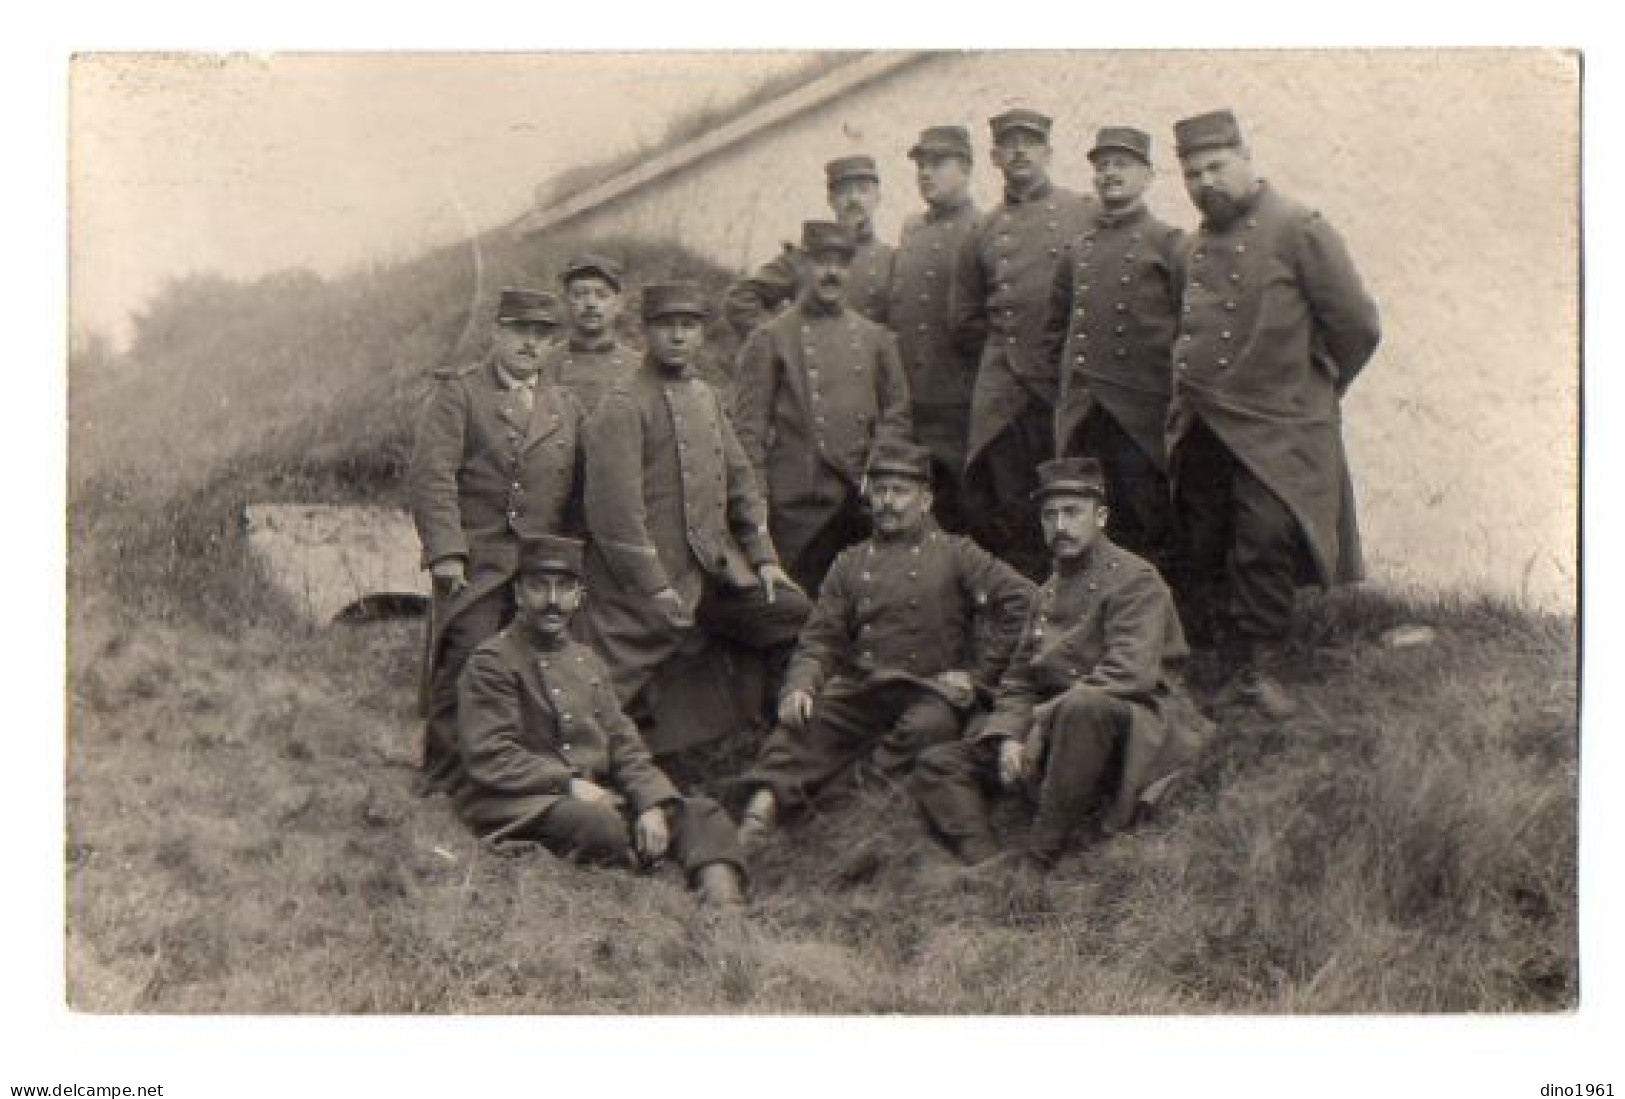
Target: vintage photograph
963,533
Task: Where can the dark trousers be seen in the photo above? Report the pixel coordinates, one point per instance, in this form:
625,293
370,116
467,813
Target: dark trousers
998,493
461,636
1242,547
1079,762
892,724
1140,515
702,833
942,429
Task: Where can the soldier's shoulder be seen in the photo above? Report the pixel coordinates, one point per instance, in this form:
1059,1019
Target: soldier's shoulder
586,658
1128,566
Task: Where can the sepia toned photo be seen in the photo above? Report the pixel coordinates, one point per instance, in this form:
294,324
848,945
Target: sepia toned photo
968,533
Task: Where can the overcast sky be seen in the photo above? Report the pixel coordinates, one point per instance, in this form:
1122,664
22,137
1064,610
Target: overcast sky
249,163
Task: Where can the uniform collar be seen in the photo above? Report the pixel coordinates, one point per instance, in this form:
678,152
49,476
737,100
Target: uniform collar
509,380
1036,193
1110,219
666,373
812,307
1091,560
945,211
542,642
922,530
581,343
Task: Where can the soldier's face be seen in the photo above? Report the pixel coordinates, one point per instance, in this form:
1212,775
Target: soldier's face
855,202
1022,155
743,309
1071,525
548,600
675,340
827,273
1219,181
942,178
594,304
897,504
1120,178
519,346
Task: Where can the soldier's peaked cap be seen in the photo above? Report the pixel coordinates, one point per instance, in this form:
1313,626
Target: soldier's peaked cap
826,236
899,458
1124,138
671,299
591,263
1214,130
942,141
1020,118
548,553
844,168
517,305
1071,477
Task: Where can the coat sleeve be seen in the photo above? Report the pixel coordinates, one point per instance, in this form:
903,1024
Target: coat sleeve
747,503
488,718
967,297
437,455
1002,597
1347,327
631,768
757,383
896,411
1130,664
827,632
1013,703
616,514
1058,316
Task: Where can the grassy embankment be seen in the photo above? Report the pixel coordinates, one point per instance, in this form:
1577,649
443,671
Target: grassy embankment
242,836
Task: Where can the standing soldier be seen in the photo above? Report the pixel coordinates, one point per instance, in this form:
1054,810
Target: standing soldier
1005,272
854,194
940,374
890,662
1113,316
550,758
1090,715
591,361
679,526
494,461
816,385
1275,327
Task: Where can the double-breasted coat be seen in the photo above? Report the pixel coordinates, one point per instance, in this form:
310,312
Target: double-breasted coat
1107,624
868,283
815,386
1275,326
588,371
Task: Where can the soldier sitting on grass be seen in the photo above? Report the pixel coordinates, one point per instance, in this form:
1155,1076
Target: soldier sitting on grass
550,757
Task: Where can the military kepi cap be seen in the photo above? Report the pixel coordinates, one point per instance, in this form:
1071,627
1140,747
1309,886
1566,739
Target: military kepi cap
520,306
1122,138
844,168
1214,130
672,299
826,236
942,141
1020,119
1071,477
900,458
547,553
589,263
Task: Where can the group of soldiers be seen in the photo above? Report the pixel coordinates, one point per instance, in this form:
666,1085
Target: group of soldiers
967,497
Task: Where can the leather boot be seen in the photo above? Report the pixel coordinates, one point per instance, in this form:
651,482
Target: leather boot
721,886
761,816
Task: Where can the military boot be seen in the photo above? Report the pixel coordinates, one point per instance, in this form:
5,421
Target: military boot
761,817
721,886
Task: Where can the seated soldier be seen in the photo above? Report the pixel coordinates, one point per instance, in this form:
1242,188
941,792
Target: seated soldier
1088,715
548,756
895,654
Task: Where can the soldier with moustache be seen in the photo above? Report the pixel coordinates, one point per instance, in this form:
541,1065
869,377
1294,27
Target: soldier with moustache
940,372
549,757
1275,327
911,631
494,461
591,361
1114,312
1001,295
853,183
1090,717
816,386
679,527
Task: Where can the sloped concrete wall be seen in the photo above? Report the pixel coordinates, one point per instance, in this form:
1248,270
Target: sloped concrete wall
1453,176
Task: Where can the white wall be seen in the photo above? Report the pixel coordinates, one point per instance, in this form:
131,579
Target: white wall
1453,175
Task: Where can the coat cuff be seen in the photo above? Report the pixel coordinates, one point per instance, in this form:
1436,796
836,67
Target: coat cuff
637,568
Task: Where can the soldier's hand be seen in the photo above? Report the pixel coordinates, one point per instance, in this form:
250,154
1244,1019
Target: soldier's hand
959,687
586,790
450,575
652,833
1012,762
795,708
772,578
670,602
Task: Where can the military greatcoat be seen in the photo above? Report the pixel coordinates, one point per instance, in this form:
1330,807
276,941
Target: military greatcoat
815,385
868,284
588,371
940,371
1276,325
